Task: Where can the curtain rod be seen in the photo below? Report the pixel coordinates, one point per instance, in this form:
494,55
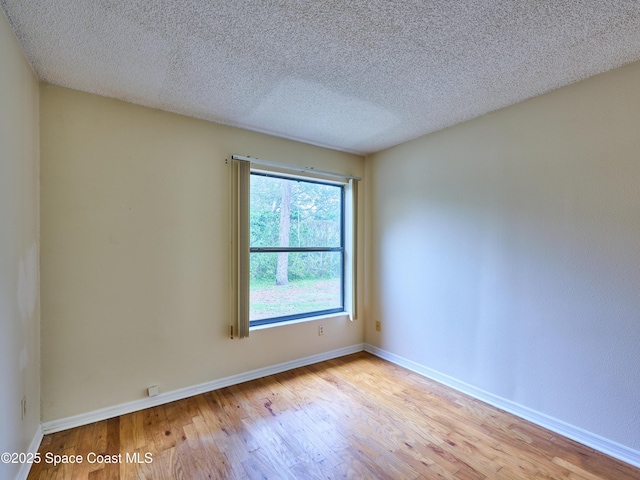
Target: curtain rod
293,168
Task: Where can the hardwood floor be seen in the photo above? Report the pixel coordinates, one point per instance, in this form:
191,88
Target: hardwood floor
353,417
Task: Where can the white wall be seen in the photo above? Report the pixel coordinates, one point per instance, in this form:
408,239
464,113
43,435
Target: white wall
19,302
135,256
505,252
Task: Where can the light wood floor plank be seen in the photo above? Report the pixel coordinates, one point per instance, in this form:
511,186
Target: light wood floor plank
353,417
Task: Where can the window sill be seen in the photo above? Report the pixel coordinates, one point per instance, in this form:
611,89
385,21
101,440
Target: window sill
299,320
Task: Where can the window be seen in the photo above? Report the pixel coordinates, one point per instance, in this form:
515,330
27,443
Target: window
293,243
297,254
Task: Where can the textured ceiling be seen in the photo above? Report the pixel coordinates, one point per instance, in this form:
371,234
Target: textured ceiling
357,75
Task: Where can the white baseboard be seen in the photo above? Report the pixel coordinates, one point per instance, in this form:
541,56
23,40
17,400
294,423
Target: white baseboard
589,439
23,473
124,408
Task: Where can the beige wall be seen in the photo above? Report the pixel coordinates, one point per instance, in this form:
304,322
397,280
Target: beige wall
19,302
135,262
505,253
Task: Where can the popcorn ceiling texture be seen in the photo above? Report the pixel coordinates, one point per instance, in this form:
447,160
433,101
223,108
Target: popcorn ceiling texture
357,76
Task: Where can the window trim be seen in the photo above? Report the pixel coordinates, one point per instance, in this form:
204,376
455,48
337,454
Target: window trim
341,249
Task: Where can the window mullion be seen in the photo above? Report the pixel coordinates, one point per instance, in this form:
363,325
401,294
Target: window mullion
295,249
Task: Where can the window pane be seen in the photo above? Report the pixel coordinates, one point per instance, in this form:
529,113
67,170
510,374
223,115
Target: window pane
294,213
313,284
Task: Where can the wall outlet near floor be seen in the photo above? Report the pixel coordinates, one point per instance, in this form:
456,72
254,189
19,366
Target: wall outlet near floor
320,330
23,408
153,390
377,326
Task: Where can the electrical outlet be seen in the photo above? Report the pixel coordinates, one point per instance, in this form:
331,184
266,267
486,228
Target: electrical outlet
320,330
377,326
153,390
23,407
